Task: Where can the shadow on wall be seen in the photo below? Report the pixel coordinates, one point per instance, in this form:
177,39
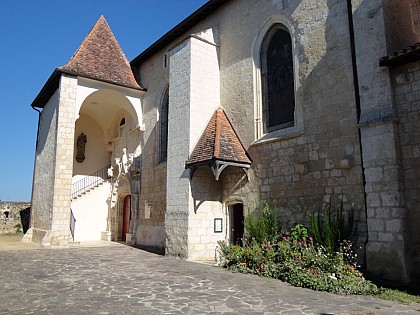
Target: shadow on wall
25,215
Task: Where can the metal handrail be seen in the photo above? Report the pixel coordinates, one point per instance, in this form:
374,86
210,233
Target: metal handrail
89,182
72,223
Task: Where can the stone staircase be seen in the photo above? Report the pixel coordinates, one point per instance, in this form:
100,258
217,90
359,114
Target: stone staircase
90,182
90,211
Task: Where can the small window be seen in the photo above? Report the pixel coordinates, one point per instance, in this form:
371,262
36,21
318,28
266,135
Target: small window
163,128
277,78
121,128
165,61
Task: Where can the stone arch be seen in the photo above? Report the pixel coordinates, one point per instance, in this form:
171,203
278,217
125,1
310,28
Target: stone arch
100,112
106,102
121,123
256,64
121,189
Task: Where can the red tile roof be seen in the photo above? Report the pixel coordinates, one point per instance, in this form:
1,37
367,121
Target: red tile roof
101,57
219,141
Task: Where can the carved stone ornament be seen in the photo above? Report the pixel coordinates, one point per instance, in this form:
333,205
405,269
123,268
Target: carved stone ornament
81,144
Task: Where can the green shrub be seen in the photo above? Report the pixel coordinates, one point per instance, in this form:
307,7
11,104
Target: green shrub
325,263
262,224
298,262
330,227
298,232
18,228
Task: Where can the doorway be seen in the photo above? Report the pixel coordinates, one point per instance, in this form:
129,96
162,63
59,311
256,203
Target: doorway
126,217
237,227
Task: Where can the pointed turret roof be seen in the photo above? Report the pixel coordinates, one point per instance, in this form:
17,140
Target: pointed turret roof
220,142
99,57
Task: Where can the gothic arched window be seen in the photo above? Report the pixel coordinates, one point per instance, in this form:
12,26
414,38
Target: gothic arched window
277,78
163,127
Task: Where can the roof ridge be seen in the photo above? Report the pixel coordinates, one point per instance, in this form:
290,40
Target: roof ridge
102,19
101,57
218,132
219,141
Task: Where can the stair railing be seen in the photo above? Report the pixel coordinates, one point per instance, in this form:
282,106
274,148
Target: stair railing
89,182
72,223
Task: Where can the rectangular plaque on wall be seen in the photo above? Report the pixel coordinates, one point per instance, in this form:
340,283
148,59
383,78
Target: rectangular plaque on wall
218,227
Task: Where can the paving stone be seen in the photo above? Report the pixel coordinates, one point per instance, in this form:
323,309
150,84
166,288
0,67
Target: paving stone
124,280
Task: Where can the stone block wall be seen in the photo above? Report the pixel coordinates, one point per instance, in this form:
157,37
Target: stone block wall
386,215
152,186
318,160
401,17
54,168
406,81
64,164
11,221
43,181
194,89
178,193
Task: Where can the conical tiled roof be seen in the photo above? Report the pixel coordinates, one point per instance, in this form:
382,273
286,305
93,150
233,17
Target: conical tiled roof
219,142
100,57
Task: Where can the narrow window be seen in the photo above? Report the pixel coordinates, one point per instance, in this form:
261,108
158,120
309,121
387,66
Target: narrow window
165,61
121,128
163,128
278,90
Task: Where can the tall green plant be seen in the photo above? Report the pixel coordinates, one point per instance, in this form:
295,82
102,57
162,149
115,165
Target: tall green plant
263,224
330,227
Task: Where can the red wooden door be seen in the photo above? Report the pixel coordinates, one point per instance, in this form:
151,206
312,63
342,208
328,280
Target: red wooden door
126,217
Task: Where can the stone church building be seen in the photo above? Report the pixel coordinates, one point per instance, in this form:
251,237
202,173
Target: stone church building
293,102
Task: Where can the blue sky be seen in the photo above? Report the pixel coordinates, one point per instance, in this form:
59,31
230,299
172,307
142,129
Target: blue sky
38,36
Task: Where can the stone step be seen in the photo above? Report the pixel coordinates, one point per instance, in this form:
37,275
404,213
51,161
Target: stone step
74,244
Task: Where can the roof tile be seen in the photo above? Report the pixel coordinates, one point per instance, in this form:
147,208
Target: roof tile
401,56
219,141
100,57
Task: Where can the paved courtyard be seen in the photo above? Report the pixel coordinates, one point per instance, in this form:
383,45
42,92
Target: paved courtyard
111,278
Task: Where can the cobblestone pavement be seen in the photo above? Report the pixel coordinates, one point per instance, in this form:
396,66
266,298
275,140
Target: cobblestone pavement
123,280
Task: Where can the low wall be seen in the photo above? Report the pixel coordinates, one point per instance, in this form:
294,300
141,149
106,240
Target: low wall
14,217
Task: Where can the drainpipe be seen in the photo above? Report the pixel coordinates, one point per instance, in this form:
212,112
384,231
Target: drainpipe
33,174
358,107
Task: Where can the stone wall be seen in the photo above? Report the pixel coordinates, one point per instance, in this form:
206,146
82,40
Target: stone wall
401,17
406,81
50,225
319,159
11,221
298,169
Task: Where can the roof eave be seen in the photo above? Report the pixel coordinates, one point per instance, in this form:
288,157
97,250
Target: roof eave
54,81
47,90
400,59
139,88
180,29
214,159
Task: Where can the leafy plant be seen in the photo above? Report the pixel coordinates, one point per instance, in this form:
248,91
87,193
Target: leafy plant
331,226
298,261
298,232
263,224
18,228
